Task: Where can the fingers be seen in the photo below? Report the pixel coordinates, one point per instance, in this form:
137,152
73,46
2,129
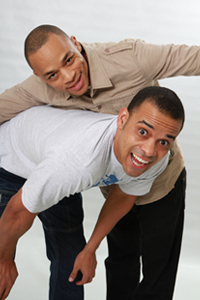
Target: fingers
73,275
8,275
5,290
87,278
86,264
5,294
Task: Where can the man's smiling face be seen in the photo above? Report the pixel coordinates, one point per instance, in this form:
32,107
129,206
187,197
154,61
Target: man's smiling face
144,137
61,65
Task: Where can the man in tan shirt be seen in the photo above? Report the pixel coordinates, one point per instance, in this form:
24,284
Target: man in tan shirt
104,78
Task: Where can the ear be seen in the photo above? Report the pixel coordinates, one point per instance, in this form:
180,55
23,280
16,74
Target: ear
122,117
76,43
35,73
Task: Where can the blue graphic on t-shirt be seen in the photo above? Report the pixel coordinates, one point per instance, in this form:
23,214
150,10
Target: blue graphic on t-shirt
107,180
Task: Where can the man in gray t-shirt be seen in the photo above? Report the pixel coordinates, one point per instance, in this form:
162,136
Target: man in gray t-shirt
127,152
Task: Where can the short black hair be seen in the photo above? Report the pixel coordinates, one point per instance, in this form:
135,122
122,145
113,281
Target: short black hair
38,37
166,101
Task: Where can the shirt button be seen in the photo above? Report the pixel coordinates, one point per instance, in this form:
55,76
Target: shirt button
99,107
107,50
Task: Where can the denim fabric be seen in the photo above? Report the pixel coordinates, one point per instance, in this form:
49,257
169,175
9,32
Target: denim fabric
62,224
154,233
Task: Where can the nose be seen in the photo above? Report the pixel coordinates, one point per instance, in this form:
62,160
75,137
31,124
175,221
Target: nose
149,147
68,75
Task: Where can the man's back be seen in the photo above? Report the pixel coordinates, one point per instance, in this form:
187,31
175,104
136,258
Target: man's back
49,145
38,131
65,152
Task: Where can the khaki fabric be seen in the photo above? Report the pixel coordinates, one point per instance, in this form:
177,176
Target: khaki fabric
117,72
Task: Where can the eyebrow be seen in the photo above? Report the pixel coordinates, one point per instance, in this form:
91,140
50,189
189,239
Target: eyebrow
144,122
150,126
62,61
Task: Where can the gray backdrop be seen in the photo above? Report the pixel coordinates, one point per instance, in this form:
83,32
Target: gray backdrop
156,21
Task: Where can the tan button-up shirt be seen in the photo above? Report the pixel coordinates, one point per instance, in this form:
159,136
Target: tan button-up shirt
117,72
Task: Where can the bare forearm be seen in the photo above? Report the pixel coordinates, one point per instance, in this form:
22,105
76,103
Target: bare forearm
15,221
8,236
117,205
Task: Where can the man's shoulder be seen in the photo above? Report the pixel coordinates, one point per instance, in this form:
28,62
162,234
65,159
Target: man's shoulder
111,47
34,83
32,80
35,89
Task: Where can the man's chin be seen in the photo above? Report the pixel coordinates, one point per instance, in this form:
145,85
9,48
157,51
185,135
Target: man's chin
137,171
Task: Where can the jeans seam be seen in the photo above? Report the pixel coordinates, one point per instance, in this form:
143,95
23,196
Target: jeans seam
55,278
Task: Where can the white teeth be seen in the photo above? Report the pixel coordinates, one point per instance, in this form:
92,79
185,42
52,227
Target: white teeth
135,163
140,159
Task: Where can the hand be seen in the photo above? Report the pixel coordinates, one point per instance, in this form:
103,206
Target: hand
86,263
8,275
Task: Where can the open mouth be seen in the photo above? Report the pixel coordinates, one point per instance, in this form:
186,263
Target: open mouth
138,161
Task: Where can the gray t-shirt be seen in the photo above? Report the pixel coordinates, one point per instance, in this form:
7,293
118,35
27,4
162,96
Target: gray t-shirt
62,152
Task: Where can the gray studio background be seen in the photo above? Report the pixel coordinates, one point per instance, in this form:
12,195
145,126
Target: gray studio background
156,21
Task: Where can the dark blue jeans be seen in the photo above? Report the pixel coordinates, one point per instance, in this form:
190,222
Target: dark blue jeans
62,224
153,233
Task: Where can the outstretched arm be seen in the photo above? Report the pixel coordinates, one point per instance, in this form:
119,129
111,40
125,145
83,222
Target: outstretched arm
29,93
15,221
117,205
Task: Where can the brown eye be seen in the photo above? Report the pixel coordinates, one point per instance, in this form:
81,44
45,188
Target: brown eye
143,132
69,60
164,143
52,76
